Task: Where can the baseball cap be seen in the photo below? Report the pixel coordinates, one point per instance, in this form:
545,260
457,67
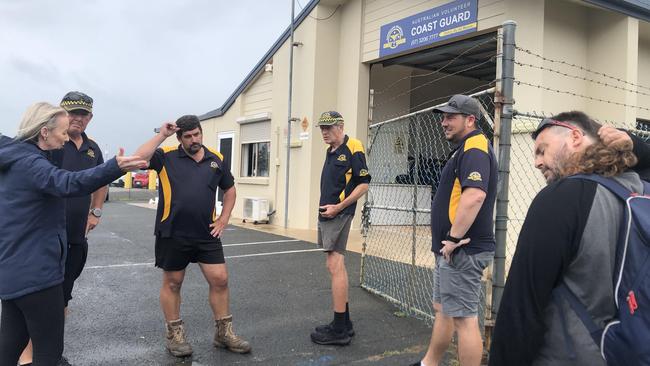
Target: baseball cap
77,100
329,118
461,104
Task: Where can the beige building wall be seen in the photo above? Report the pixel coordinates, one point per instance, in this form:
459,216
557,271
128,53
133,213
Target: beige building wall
643,70
332,70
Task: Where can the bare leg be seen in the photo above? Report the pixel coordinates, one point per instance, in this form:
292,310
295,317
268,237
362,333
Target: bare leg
443,330
217,277
170,294
26,356
470,344
339,275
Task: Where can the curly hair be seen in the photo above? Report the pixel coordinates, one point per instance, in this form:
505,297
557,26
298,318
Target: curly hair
600,159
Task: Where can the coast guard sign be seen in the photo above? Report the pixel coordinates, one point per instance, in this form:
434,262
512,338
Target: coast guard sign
434,25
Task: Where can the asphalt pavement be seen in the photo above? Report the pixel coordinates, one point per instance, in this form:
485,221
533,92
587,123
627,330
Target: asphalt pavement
280,291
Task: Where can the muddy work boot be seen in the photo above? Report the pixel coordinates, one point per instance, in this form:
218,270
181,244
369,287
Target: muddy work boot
225,337
176,343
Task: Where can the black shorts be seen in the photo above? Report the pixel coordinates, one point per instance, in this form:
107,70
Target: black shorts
174,254
74,264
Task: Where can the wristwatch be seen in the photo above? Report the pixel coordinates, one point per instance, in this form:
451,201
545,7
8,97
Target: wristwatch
97,212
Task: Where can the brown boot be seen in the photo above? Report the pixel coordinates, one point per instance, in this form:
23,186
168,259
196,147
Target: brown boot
225,337
176,343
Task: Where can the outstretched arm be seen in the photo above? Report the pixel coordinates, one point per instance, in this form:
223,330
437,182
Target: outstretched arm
148,148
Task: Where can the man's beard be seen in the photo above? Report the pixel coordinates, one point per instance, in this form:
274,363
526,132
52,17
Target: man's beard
560,171
194,148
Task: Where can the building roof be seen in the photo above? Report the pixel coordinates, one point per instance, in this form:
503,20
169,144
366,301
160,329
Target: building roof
259,67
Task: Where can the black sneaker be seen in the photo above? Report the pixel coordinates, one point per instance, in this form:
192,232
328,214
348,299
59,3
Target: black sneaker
325,327
331,336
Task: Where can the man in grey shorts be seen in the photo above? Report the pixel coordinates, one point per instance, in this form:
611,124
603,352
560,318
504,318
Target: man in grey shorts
462,231
343,181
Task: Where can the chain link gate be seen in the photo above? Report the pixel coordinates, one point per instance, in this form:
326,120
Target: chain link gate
406,156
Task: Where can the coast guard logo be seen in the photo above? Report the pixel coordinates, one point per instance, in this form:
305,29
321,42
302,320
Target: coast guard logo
91,153
363,172
342,158
475,176
214,165
394,37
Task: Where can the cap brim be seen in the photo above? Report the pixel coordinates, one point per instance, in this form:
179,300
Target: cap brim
447,109
77,107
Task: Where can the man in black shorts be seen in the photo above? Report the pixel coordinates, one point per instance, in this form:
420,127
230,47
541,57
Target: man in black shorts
188,230
81,213
343,181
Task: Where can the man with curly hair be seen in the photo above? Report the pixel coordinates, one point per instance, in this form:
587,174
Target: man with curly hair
569,236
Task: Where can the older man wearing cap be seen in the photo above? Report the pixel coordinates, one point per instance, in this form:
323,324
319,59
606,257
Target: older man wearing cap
343,181
462,231
82,213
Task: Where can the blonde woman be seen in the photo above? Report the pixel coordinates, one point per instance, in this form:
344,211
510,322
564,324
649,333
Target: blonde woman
32,231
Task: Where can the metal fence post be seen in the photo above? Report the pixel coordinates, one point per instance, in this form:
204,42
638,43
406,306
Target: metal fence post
414,121
505,134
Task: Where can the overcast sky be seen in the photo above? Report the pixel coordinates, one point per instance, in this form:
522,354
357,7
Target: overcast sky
142,62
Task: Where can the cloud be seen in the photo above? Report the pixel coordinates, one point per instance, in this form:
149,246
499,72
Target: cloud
143,62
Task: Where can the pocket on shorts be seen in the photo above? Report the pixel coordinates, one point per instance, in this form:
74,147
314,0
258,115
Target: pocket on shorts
480,261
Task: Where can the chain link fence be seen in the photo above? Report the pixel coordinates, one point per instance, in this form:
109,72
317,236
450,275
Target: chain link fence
406,156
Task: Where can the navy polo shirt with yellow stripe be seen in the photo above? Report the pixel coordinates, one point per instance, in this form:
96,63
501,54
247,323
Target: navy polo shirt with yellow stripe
472,164
187,191
344,169
74,159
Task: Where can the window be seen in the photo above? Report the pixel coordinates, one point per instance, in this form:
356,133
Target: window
255,159
255,148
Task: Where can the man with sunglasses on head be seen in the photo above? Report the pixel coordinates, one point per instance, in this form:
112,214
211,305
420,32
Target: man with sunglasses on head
462,232
569,237
82,213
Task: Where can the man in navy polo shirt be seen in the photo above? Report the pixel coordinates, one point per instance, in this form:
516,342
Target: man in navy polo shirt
82,213
462,231
188,230
343,181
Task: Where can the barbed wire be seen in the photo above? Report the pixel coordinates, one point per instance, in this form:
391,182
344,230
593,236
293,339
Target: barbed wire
519,82
473,66
579,77
580,67
436,71
434,100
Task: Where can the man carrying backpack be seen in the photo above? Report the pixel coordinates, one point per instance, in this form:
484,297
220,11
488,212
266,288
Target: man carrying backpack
566,253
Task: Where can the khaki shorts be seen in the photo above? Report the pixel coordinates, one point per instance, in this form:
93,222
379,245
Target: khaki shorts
333,234
457,286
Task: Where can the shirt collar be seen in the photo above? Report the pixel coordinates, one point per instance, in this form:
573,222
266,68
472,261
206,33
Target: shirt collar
345,141
84,142
206,153
461,142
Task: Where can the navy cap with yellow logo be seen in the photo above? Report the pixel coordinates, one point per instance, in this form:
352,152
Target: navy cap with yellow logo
329,118
77,100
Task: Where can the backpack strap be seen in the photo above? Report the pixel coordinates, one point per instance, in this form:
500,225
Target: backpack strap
581,311
613,186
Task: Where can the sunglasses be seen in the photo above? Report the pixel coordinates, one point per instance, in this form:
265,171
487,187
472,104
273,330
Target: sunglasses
547,122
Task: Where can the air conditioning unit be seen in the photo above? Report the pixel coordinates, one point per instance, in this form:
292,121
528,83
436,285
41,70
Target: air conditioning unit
256,209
